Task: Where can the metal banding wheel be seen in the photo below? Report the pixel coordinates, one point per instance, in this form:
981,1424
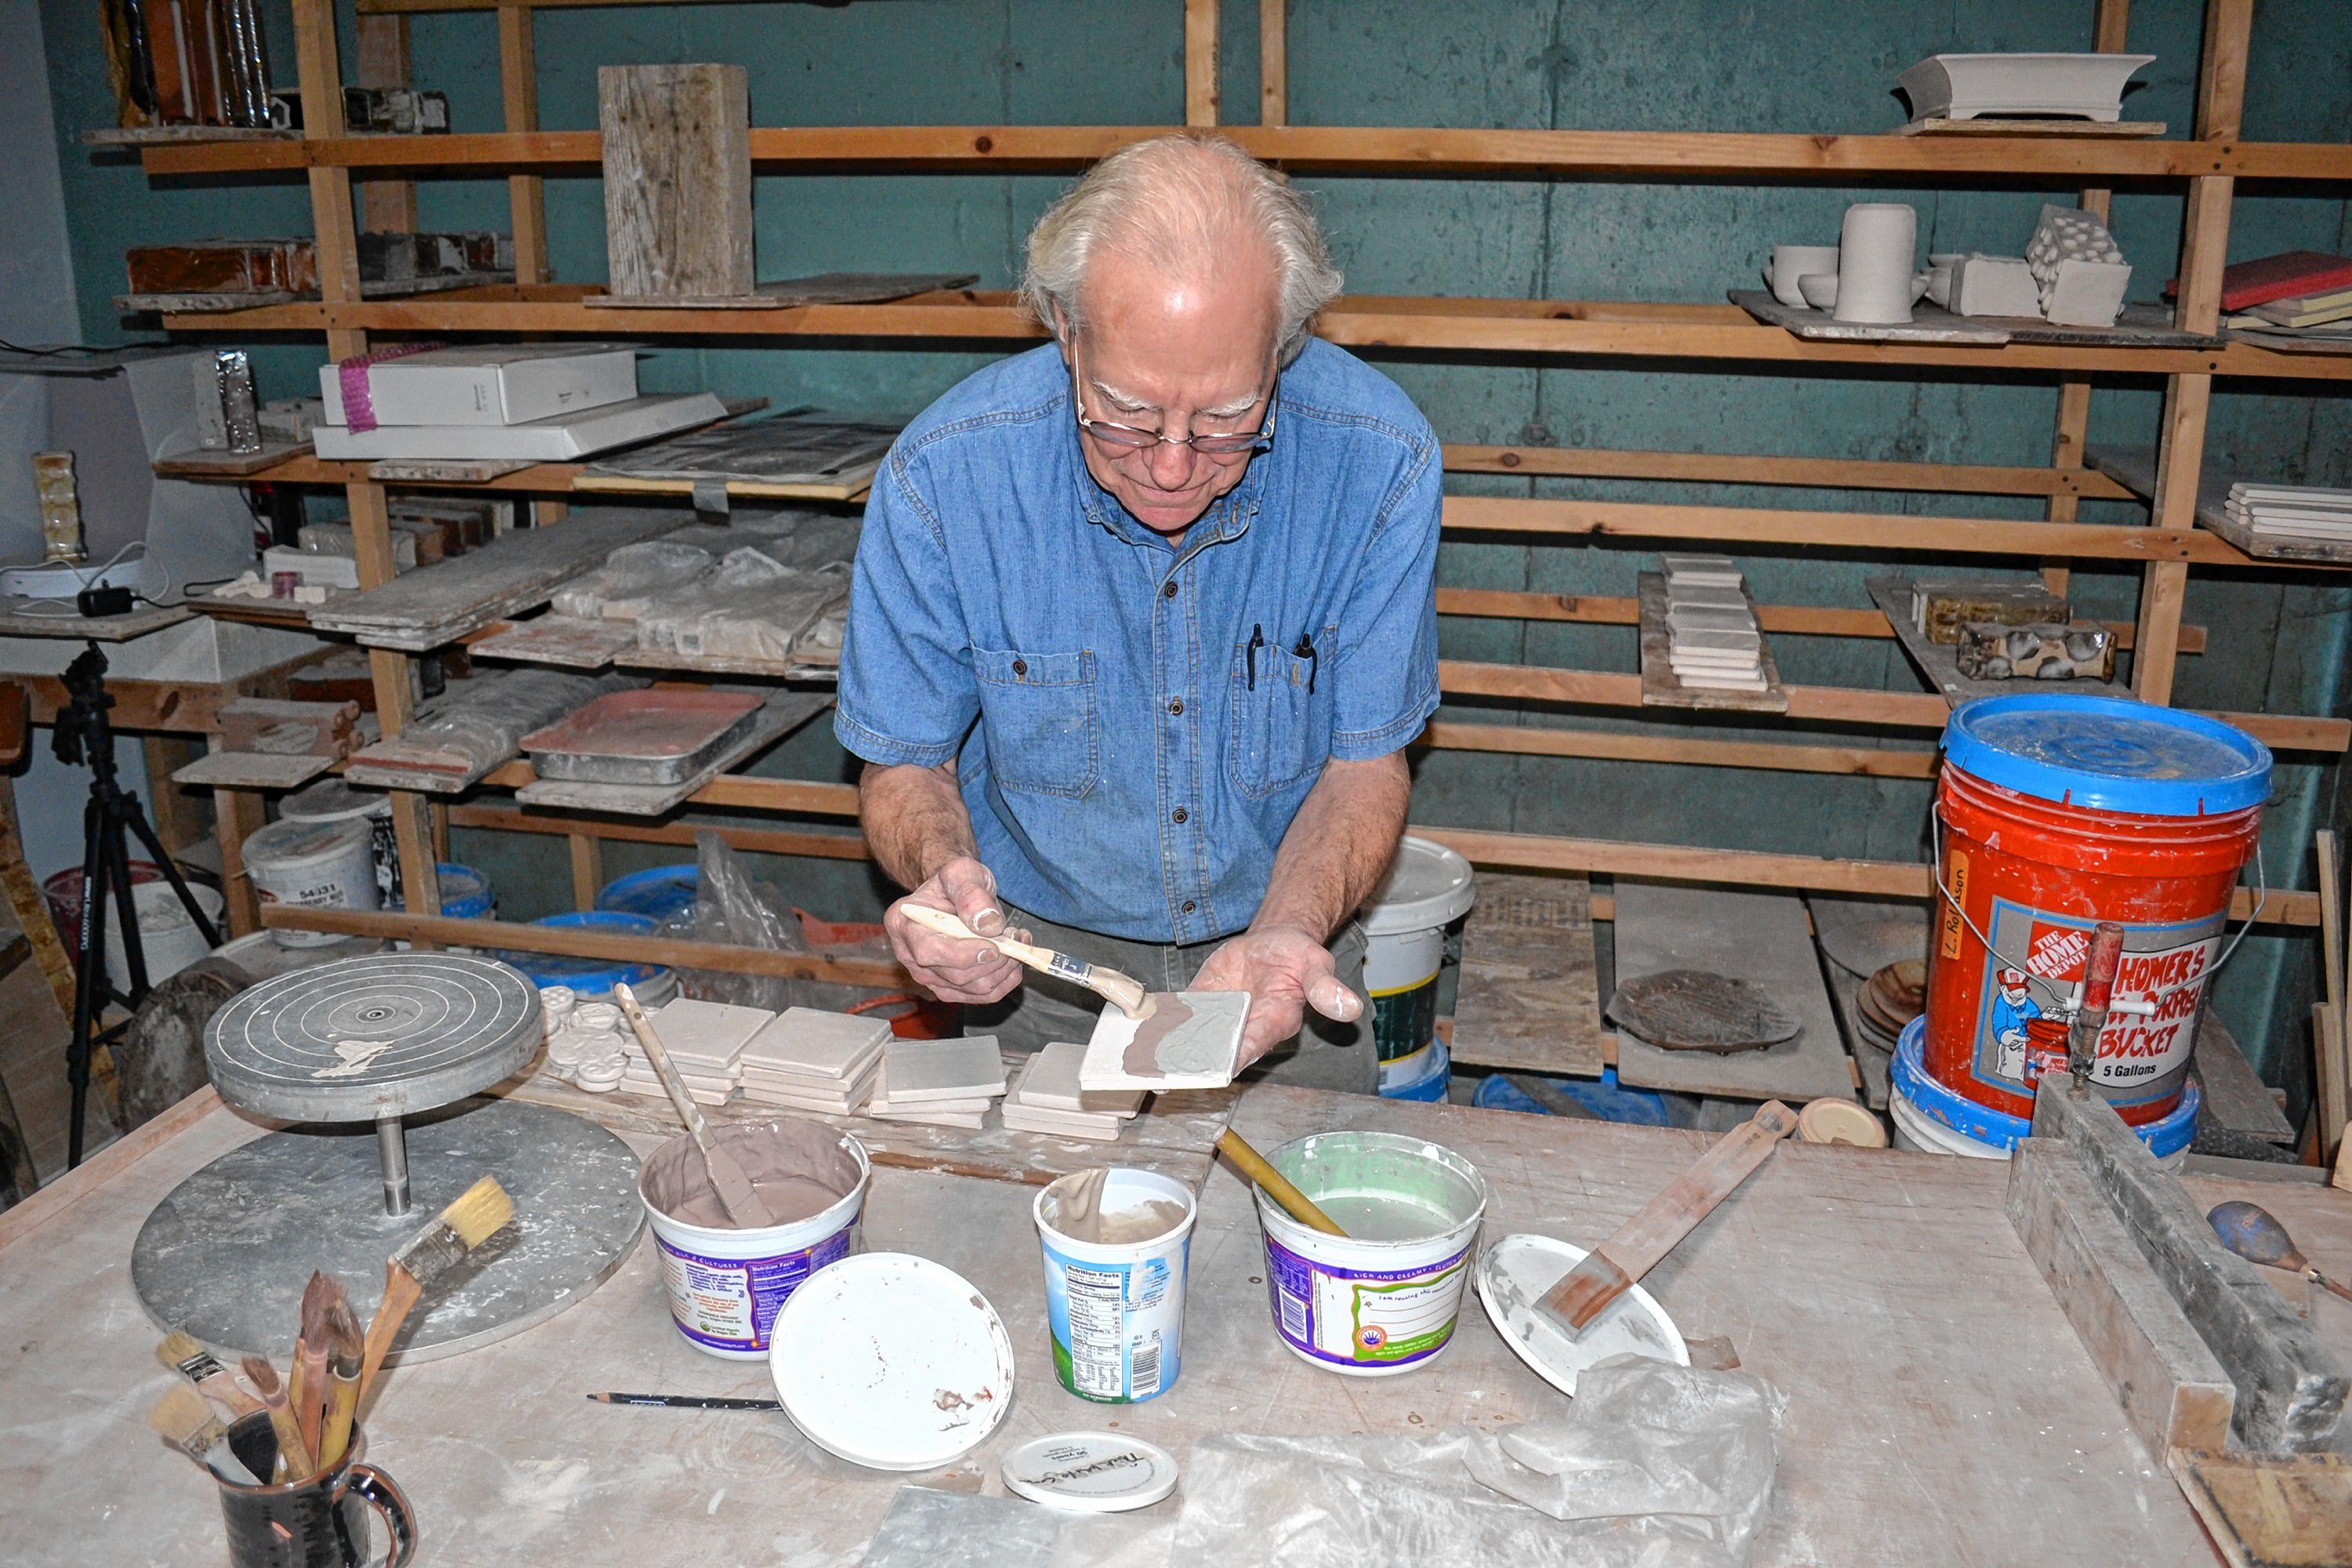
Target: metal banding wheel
374,1038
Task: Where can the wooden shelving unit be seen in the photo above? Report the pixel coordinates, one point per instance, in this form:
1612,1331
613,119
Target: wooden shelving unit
378,171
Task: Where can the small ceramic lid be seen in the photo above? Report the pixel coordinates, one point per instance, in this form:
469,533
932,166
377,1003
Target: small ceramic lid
1832,1121
892,1362
1090,1472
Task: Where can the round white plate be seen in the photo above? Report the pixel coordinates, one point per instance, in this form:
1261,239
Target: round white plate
1090,1472
1513,1274
892,1362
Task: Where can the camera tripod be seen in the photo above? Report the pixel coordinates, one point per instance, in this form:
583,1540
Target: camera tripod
83,735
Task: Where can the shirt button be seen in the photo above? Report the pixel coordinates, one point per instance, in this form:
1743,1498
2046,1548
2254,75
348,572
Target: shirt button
1020,667
1176,705
1168,590
1177,816
1188,906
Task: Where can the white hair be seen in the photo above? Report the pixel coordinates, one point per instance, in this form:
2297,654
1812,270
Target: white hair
1168,200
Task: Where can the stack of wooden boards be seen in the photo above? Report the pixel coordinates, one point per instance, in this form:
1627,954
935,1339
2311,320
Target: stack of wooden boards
240,274
2302,296
1713,642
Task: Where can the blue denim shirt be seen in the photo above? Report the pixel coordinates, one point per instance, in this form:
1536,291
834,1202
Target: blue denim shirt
1135,722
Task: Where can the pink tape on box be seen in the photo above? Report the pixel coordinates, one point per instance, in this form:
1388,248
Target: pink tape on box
359,406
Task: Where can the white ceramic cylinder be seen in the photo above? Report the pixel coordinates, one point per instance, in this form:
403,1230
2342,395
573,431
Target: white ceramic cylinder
1875,267
1790,262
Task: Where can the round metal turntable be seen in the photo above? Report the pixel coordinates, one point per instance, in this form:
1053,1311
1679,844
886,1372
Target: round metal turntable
401,1040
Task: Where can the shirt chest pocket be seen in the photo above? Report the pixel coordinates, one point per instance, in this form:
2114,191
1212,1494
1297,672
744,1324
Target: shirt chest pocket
1037,715
1282,713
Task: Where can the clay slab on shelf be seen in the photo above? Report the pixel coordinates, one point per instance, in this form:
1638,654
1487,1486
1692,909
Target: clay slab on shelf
1050,1082
1192,1040
649,737
920,1072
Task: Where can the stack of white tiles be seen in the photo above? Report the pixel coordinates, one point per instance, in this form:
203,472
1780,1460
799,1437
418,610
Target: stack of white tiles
947,1083
2310,512
1046,1098
1713,641
703,1040
812,1060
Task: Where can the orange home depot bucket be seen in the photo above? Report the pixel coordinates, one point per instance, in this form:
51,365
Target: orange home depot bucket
2057,813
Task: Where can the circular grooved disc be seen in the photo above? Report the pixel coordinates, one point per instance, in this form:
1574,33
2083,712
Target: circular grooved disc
385,1035
226,1255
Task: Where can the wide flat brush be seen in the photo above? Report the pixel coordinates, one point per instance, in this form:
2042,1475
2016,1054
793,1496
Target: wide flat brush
184,1420
184,1355
294,1462
1123,992
741,1199
481,1211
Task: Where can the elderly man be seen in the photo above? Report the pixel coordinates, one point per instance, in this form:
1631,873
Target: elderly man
1143,620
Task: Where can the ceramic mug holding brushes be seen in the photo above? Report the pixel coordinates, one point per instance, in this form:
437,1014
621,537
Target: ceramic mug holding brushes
1876,267
320,1522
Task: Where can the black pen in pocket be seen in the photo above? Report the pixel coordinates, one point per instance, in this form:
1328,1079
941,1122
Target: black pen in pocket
1305,650
1257,641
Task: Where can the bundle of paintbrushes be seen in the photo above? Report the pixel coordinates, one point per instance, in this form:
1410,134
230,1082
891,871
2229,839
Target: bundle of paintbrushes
313,1405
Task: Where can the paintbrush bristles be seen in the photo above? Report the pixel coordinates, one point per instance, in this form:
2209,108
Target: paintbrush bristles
479,1213
343,1334
185,1421
259,1372
182,1355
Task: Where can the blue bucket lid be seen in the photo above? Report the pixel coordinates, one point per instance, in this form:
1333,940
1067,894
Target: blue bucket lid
595,975
2109,754
2168,1135
659,891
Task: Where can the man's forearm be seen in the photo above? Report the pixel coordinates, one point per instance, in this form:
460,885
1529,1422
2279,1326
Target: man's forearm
1338,846
915,820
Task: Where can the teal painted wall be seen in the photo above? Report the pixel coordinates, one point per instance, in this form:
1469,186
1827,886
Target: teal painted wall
1797,65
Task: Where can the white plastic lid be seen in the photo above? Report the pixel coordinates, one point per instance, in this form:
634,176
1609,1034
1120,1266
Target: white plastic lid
331,799
1428,886
1090,1472
290,842
892,1362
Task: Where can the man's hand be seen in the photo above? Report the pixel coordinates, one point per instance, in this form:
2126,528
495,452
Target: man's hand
955,969
1286,971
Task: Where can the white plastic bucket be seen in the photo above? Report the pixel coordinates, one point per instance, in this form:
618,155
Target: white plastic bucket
1115,1309
333,800
324,864
167,938
1372,1306
1923,1134
1428,889
726,1285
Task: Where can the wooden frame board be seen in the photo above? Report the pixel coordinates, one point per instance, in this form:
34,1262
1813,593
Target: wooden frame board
1938,125
1661,687
17,620
208,465
1940,663
573,642
2133,468
821,288
1528,995
252,770
1762,938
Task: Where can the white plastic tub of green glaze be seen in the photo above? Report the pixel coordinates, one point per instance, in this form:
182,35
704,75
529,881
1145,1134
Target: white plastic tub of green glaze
1384,1297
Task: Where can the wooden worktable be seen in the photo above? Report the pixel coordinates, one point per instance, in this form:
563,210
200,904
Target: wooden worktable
1941,1409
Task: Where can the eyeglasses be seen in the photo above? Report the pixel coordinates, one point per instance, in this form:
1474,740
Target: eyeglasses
1136,438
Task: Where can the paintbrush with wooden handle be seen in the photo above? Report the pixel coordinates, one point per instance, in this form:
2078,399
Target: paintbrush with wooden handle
306,1389
294,1462
1633,1248
481,1211
1123,992
741,1199
349,1347
184,1355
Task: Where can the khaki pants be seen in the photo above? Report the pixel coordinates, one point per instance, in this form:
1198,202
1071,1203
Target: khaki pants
1043,1009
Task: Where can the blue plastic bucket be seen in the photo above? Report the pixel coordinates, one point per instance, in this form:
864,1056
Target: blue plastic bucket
1429,1087
465,893
659,891
1979,1130
592,979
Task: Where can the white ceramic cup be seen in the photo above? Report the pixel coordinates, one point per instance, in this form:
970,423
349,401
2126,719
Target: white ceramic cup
1875,263
1790,262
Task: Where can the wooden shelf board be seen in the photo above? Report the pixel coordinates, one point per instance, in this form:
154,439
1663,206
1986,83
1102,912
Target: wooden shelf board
2135,468
1662,688
1938,125
224,465
1330,149
1815,473
1600,329
1940,662
1528,999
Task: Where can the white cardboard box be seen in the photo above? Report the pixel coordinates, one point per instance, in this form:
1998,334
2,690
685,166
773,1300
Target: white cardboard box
498,384
562,439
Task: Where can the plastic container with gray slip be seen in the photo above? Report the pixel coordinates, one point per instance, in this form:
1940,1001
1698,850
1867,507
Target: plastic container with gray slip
642,737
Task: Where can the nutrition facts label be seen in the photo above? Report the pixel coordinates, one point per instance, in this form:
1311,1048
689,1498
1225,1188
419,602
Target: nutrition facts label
1097,1348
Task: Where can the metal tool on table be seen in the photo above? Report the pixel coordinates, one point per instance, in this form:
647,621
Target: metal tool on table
2255,1234
1635,1248
402,1043
1123,992
736,1193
